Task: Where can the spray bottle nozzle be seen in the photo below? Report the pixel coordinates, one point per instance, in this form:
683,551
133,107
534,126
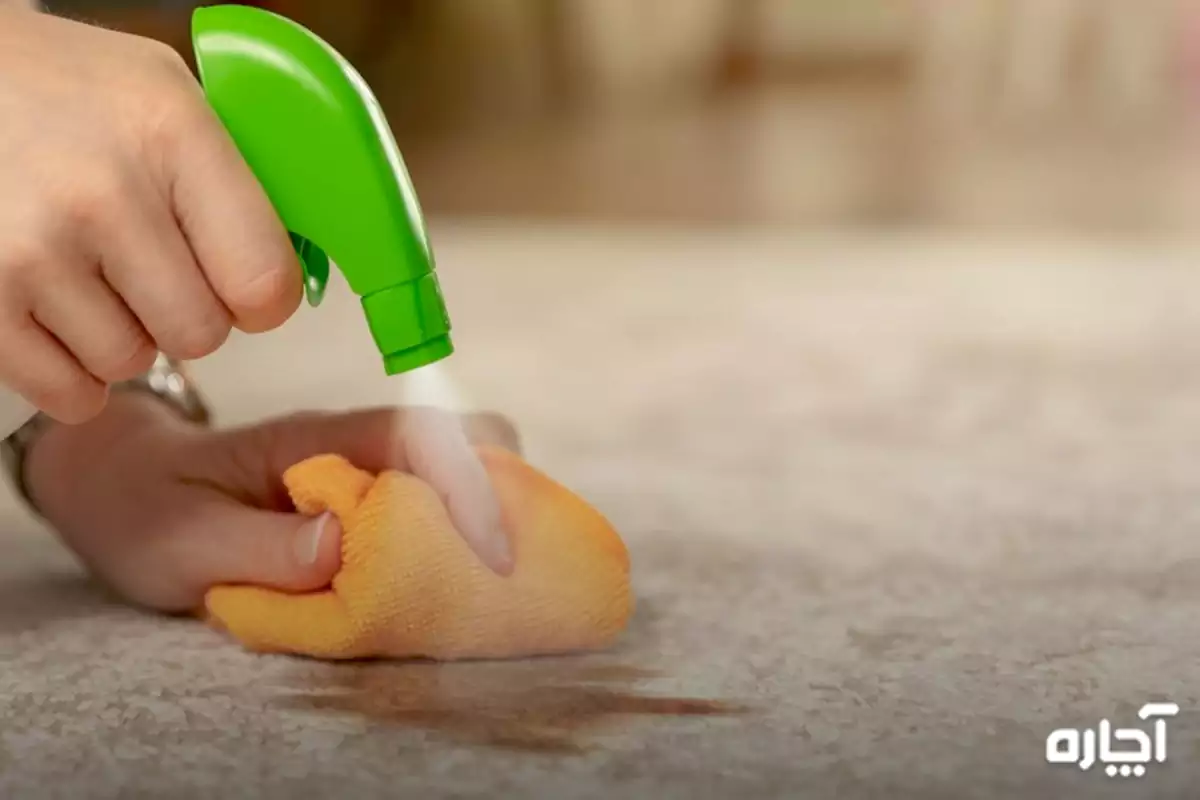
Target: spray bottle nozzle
409,324
315,137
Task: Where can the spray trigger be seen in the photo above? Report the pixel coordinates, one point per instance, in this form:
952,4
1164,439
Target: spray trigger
315,264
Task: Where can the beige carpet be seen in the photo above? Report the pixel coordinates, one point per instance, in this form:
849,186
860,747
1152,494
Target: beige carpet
897,509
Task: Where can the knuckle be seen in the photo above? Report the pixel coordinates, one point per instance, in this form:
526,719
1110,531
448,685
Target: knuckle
126,360
34,242
70,396
91,196
165,57
169,106
21,259
23,253
200,338
268,297
52,272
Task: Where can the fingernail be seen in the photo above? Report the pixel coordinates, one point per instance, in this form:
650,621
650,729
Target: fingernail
308,540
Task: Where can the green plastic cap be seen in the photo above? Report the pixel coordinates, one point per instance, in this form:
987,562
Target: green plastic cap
409,324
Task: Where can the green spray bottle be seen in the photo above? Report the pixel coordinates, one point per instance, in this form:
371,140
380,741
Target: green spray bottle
315,137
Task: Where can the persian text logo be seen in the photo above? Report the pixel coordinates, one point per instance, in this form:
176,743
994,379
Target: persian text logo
1087,747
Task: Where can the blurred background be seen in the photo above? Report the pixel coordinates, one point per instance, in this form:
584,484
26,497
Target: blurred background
1058,114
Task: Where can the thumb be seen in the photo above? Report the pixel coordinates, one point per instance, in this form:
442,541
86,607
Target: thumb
285,551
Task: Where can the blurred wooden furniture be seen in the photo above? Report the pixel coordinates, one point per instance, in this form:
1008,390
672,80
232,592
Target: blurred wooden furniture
849,41
1031,61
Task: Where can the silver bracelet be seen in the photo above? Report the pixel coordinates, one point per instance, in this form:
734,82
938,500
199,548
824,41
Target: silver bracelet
166,379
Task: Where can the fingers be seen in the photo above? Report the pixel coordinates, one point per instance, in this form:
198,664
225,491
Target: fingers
147,261
256,456
35,365
228,220
489,428
91,321
243,545
368,438
372,439
76,318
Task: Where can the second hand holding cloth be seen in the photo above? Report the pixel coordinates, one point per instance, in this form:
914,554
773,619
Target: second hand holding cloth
410,587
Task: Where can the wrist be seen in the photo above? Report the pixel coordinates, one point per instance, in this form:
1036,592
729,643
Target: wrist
164,398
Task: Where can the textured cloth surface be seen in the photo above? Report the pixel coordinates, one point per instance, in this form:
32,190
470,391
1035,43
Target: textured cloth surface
410,587
896,510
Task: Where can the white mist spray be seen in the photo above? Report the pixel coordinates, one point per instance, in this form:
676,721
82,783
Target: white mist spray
439,452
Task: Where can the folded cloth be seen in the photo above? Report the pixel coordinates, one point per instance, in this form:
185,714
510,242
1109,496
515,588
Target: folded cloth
410,587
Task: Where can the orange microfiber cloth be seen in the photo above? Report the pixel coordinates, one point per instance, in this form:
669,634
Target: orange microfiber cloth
409,586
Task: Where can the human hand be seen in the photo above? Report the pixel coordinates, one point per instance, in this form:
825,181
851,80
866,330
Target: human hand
162,510
129,222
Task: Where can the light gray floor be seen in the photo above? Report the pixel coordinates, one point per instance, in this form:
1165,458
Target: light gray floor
897,509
